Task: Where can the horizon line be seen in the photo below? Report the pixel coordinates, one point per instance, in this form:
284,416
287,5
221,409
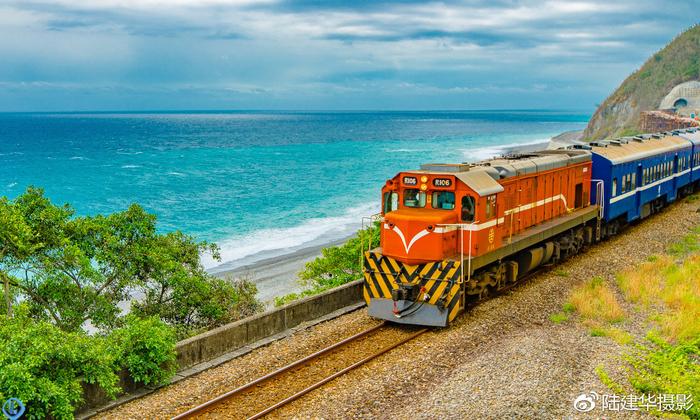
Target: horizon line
313,110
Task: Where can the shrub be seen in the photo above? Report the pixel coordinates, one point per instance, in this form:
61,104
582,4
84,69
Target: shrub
44,366
146,348
340,264
247,304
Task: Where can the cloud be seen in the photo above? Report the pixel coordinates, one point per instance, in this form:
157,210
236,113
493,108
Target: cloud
282,53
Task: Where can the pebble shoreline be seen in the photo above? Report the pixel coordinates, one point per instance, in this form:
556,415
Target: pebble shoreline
504,358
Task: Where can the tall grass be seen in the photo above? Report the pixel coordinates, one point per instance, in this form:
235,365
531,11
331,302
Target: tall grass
673,289
596,303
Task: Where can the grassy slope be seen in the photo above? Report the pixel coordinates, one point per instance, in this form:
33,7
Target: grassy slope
665,291
678,62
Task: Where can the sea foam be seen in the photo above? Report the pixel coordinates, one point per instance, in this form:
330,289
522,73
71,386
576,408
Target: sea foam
267,243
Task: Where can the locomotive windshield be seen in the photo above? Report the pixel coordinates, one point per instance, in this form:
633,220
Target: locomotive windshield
413,198
443,200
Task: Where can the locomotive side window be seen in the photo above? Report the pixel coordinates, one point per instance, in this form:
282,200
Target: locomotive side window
414,198
391,201
468,208
443,200
490,206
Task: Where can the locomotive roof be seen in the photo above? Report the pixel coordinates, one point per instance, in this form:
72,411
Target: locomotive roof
483,176
633,148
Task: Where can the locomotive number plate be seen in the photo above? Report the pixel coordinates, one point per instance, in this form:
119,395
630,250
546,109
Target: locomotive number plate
442,182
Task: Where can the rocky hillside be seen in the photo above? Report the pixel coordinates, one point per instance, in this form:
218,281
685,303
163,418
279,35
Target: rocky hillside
678,62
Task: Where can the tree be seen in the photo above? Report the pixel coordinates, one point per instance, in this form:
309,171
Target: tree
76,270
15,245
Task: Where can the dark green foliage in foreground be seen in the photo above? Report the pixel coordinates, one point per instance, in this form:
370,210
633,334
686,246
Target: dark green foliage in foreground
146,348
45,366
336,266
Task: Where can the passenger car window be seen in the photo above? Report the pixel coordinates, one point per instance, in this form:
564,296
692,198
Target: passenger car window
443,200
614,187
414,198
468,208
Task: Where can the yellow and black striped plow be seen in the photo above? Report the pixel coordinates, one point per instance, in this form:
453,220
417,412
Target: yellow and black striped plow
441,280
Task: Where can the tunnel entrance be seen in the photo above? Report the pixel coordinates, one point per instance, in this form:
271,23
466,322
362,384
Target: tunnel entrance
680,103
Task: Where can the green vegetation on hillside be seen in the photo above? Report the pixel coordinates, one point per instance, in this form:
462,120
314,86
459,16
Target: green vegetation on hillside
64,278
678,62
336,266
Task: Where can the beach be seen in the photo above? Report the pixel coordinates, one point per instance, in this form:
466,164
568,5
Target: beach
277,276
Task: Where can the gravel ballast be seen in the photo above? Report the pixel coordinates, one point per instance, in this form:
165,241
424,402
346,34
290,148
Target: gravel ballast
503,358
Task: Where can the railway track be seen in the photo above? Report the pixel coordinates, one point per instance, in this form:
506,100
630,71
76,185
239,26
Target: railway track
276,389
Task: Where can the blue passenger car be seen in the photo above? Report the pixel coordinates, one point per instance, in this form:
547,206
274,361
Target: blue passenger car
693,136
640,175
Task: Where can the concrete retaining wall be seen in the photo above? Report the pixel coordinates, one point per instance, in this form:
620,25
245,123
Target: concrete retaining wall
214,343
227,338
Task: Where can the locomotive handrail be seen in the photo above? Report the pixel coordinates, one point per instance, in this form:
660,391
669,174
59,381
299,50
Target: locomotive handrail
461,246
370,223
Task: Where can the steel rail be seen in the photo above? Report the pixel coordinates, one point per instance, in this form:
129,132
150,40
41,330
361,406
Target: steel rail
335,375
209,404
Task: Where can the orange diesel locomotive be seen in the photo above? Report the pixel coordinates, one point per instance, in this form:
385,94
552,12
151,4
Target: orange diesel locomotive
453,233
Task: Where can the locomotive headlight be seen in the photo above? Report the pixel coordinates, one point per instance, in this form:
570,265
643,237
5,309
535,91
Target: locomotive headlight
423,187
424,179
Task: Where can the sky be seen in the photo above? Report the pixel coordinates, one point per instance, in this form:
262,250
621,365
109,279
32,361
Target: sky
61,55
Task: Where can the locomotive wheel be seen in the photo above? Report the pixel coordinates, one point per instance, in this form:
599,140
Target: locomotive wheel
485,293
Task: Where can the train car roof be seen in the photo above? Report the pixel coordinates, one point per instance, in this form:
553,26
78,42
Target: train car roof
482,177
633,148
690,134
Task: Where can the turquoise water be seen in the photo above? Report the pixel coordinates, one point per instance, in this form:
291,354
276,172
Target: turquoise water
258,183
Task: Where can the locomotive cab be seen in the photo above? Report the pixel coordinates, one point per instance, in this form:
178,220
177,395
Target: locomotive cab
425,211
417,209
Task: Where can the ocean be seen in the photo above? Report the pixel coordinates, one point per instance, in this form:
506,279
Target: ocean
259,184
